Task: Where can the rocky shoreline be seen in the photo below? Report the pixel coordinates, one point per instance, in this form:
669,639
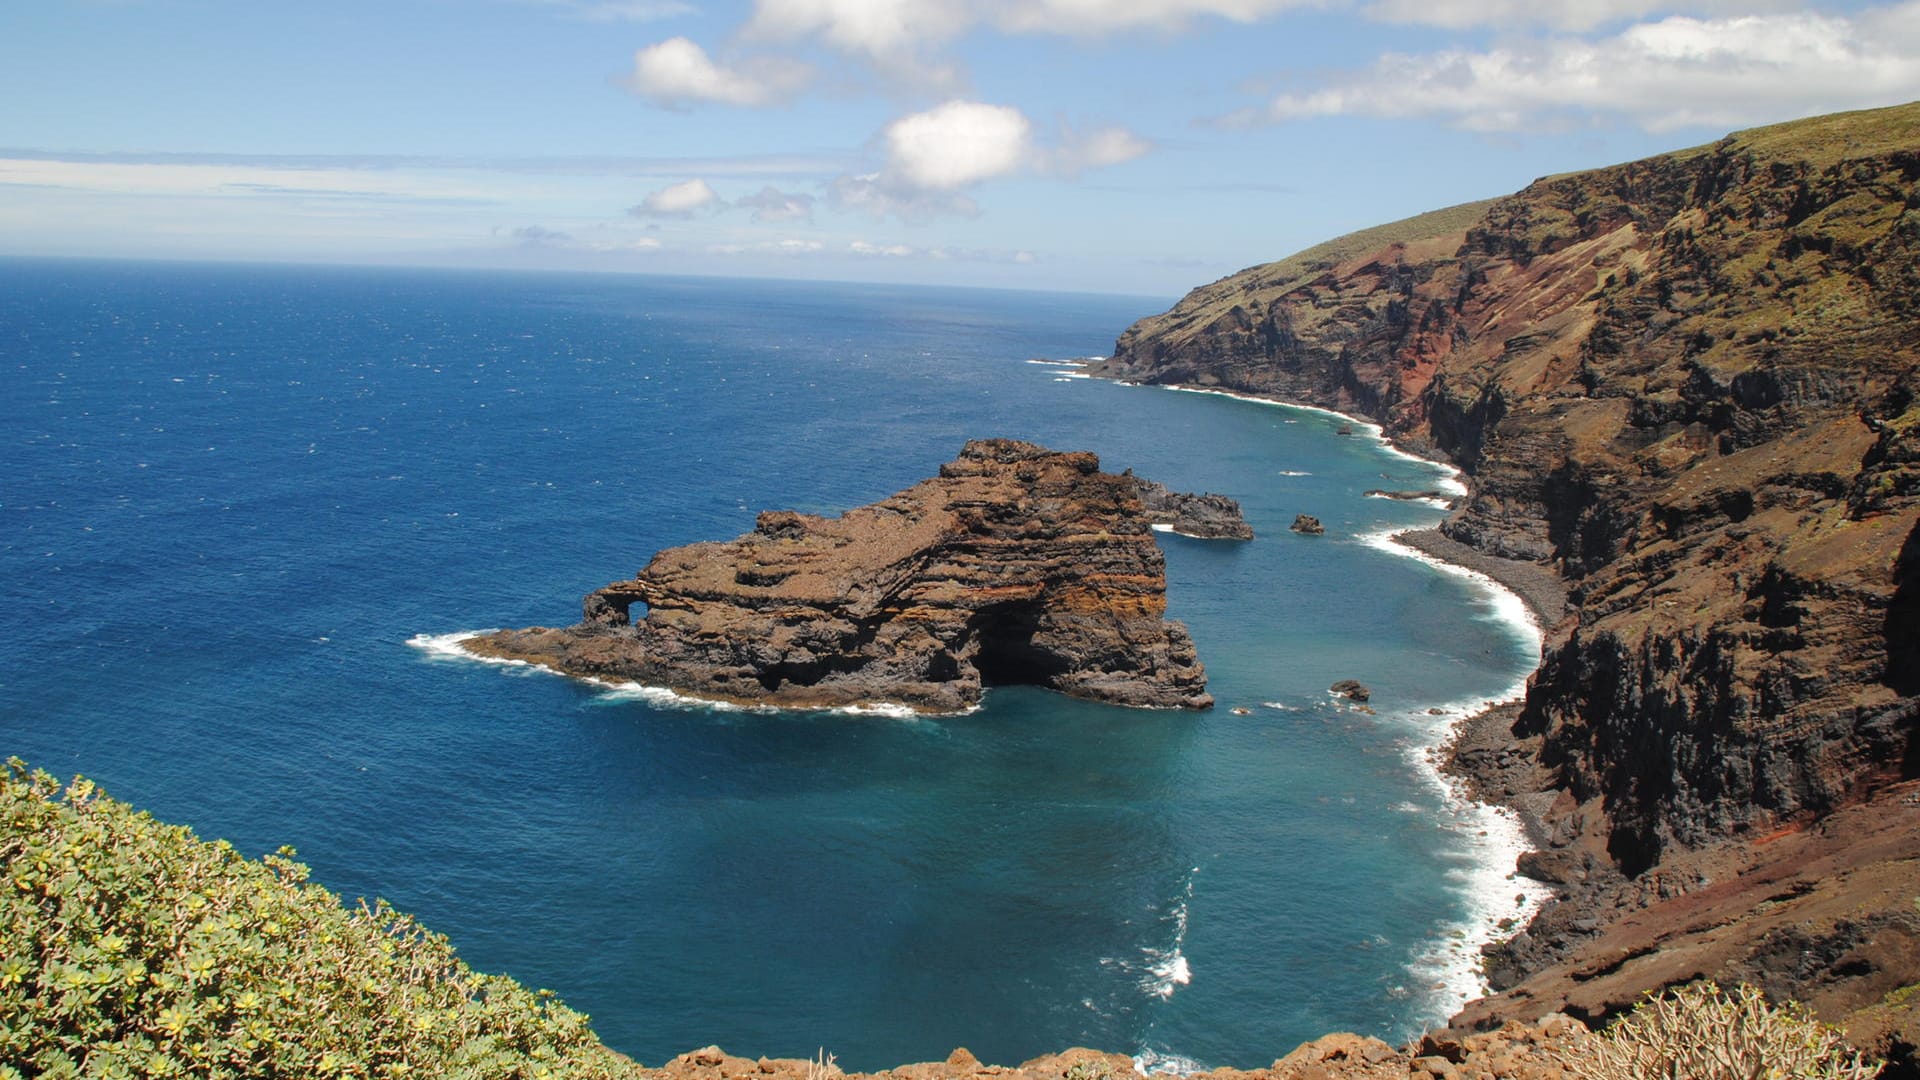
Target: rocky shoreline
1641,374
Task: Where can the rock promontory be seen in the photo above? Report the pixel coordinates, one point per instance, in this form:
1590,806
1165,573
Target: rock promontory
1016,565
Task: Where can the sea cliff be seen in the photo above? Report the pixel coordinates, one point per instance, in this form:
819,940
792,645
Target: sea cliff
1688,386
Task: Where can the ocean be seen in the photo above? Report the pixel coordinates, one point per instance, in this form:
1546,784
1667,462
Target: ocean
242,508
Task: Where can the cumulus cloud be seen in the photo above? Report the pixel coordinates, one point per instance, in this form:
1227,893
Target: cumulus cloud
678,200
770,205
957,144
677,72
933,157
1672,73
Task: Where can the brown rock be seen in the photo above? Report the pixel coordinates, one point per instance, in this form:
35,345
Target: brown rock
1016,565
1351,689
1206,516
1308,524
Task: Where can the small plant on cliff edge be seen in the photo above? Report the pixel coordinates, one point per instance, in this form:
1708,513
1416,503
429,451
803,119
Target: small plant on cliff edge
1089,1070
1700,1032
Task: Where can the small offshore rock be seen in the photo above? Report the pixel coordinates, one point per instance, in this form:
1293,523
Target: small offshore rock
1308,524
1205,516
1351,689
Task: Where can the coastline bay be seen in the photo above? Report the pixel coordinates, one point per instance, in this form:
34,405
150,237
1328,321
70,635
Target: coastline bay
241,491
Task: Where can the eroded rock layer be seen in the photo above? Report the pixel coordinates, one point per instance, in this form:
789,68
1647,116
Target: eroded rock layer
1017,565
1688,384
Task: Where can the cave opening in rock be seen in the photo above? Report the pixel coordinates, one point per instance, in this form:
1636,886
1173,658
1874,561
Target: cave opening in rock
1007,655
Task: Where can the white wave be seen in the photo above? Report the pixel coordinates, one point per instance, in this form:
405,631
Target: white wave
1167,969
1294,472
1449,481
1507,606
1161,526
1068,363
1065,375
1498,900
447,647
1151,1062
1439,504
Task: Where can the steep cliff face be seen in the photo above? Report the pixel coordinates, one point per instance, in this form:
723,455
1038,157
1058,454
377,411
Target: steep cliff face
1687,383
1015,565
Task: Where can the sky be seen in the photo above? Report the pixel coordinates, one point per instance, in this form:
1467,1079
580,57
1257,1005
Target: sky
1127,146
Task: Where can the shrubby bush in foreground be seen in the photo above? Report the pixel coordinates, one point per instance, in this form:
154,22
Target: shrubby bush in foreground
1700,1032
130,948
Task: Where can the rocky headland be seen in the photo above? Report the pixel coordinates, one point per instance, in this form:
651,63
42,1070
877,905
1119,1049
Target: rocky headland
1689,388
1016,565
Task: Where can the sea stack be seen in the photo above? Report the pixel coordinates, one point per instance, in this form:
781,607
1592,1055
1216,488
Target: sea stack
1016,565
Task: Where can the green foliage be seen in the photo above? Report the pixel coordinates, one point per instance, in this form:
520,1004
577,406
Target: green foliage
1700,1032
130,948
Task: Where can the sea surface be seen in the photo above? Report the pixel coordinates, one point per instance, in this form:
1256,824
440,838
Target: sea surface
241,506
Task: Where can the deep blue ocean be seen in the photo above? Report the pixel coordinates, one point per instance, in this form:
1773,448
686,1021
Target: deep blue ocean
231,496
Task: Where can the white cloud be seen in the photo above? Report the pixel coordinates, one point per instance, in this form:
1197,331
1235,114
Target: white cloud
956,145
683,199
887,30
637,244
875,28
895,251
677,72
1565,14
933,157
1092,18
866,249
237,180
1097,149
1676,72
790,246
872,194
771,205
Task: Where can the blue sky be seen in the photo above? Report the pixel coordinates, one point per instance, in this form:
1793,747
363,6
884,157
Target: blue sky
1135,146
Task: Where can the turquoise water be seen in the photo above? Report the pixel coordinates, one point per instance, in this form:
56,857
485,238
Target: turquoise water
234,495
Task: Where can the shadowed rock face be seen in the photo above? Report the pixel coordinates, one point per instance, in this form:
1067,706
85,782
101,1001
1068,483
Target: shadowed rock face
1017,565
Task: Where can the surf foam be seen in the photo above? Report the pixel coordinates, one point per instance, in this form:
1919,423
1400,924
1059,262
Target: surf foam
1498,900
444,647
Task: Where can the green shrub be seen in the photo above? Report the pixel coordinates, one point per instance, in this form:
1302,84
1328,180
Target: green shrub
1700,1032
130,948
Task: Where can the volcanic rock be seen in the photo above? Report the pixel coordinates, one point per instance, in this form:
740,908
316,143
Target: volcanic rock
1016,565
1206,516
1691,384
1351,689
1308,524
